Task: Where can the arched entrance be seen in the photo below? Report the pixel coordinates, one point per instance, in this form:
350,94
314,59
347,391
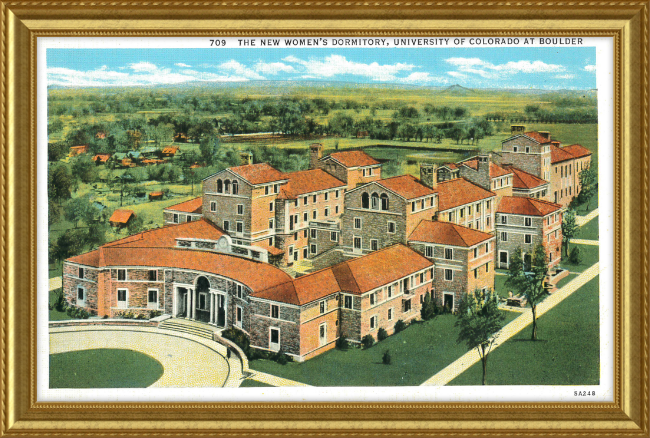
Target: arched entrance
203,300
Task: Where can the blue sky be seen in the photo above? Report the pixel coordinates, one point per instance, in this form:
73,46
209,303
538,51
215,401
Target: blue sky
503,67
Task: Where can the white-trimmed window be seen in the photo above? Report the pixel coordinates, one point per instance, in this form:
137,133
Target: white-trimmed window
504,236
152,299
240,209
390,291
153,275
504,219
373,298
390,314
334,236
314,233
271,224
267,190
175,219
213,207
357,223
313,249
226,226
81,296
314,214
122,298
81,272
276,188
373,322
274,338
270,206
449,274
347,302
391,227
327,211
240,227
475,252
305,217
322,334
336,209
238,316
528,238
337,193
240,291
428,251
449,253
374,244
121,275
528,222
275,311
315,198
327,196
323,306
407,305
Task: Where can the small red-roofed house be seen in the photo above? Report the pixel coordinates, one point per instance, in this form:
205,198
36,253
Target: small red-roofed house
351,167
121,218
155,196
463,257
524,223
78,150
101,158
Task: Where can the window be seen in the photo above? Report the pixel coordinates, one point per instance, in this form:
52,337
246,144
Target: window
323,306
384,201
271,224
121,275
373,299
334,236
428,251
240,227
487,267
336,194
275,188
305,201
313,214
528,222
175,218
450,216
487,247
390,314
152,299
336,209
504,219
240,209
476,273
122,302
327,196
203,301
322,334
449,274
390,291
226,226
238,319
462,211
527,149
421,277
504,236
274,338
312,248
374,201
475,252
487,205
235,187
407,306
240,290
469,210
391,227
219,186
314,233
487,221
275,311
213,208
327,212
356,243
295,236
153,275
226,186
373,322
314,198
478,224
305,217
413,206
365,200
374,244
81,296
478,208
271,241
364,172
270,206
266,190
528,238
357,223
515,149
347,302
449,253
304,233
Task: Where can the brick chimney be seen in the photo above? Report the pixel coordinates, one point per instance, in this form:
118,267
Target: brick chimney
315,154
517,128
246,158
483,167
545,134
429,175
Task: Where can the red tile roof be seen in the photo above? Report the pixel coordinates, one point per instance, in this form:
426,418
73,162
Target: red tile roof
258,173
495,170
456,192
539,138
121,216
578,151
192,206
559,154
526,206
525,180
451,166
447,233
353,158
102,157
165,237
271,249
89,259
303,290
308,181
406,186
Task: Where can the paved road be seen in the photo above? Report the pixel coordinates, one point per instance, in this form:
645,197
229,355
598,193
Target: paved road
585,242
515,326
188,361
581,220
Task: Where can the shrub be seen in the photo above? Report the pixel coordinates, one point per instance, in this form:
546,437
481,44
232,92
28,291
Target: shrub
155,314
400,326
105,317
342,343
141,316
382,334
239,338
429,309
60,303
367,341
281,358
386,358
575,256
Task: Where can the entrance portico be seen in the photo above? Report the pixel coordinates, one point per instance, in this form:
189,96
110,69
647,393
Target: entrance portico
200,302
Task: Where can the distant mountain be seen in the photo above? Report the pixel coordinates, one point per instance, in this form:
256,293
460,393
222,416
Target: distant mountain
458,90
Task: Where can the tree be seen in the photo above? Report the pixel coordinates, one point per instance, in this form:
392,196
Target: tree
428,310
56,151
84,168
77,209
52,212
479,320
588,185
59,183
569,228
135,225
530,284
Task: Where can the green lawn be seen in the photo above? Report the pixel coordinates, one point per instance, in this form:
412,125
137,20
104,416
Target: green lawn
589,230
566,353
589,255
55,315
250,383
417,353
103,368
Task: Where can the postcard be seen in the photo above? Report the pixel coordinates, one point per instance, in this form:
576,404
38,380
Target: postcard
325,219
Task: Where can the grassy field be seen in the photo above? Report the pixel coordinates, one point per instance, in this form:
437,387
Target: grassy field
103,368
502,289
566,353
55,315
589,230
250,383
418,353
589,255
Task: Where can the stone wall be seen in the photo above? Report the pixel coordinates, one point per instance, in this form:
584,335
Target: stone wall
71,282
288,323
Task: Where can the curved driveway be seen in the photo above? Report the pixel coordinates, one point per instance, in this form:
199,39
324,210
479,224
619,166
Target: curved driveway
188,361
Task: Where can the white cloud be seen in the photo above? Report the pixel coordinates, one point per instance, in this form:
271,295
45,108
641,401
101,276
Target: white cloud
334,65
457,75
495,71
273,68
240,70
590,68
422,78
181,64
567,76
143,67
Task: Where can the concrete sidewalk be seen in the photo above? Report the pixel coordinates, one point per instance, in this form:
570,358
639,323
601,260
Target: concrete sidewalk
581,220
55,283
585,242
471,357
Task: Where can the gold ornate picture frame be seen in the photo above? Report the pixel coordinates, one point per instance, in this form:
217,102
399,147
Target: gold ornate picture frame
23,22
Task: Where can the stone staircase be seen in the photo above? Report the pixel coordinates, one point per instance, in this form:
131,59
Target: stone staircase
190,327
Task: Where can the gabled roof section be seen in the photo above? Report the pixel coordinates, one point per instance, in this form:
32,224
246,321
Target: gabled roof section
406,186
447,233
525,180
260,173
450,166
578,151
352,158
527,206
165,237
458,191
495,170
192,206
309,181
121,216
533,135
560,154
89,259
